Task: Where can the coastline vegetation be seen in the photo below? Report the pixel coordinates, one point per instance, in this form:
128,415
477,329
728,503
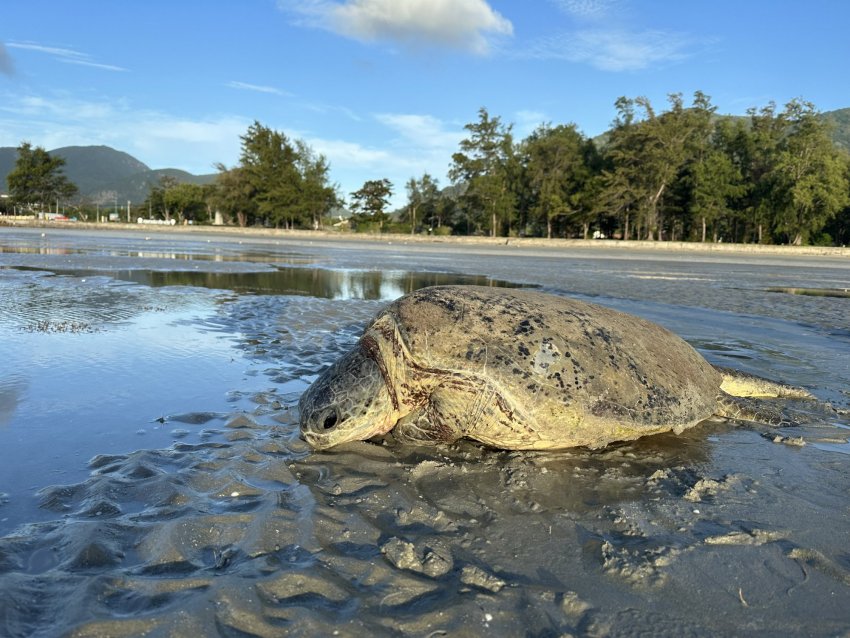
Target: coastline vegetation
681,173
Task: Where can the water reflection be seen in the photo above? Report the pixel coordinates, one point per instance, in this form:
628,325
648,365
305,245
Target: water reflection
314,282
163,253
11,389
39,250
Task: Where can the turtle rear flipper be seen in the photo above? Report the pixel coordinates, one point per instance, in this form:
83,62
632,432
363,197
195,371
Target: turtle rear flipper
751,409
741,384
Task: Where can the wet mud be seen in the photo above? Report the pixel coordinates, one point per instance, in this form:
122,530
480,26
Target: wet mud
233,527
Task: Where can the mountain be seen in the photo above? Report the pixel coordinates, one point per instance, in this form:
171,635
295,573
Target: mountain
104,175
840,121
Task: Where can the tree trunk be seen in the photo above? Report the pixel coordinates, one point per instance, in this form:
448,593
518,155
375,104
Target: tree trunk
626,227
652,224
548,227
703,230
493,225
585,227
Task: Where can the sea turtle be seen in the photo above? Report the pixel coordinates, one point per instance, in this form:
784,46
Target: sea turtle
520,370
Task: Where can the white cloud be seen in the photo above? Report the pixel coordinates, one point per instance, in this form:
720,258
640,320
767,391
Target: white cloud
587,9
424,132
402,146
62,54
58,52
606,36
417,143
462,24
154,137
95,65
527,121
611,50
259,88
344,154
320,107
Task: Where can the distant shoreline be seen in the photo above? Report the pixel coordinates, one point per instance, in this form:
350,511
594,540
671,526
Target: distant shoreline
533,243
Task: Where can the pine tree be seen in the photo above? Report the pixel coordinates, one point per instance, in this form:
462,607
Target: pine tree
37,178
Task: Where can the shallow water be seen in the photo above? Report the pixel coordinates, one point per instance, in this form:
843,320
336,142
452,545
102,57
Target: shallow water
151,469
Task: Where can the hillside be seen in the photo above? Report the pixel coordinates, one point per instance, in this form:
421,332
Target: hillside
105,175
840,121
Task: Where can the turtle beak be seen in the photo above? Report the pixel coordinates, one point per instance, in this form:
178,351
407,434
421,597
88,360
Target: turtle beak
318,440
314,440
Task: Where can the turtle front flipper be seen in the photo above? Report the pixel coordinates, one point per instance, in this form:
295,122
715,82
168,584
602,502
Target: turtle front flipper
432,423
738,408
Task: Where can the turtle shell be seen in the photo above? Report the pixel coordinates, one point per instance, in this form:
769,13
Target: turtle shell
575,373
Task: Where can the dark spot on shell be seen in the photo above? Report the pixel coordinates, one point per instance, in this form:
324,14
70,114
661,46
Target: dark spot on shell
603,334
524,328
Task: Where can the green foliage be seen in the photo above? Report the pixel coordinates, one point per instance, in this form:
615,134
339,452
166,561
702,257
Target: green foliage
556,176
716,182
37,179
234,195
369,203
180,200
488,168
838,228
810,175
675,174
423,198
678,173
187,201
279,182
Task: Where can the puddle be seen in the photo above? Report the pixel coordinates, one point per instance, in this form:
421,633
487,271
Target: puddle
324,283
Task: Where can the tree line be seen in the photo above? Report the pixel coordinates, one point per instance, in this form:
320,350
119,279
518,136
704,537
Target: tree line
279,182
680,173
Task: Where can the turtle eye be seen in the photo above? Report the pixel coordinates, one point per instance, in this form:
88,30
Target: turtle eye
330,421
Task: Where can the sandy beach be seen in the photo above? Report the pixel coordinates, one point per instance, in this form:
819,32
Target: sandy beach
528,244
221,521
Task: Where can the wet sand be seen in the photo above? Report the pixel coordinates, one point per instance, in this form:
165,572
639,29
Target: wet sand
729,529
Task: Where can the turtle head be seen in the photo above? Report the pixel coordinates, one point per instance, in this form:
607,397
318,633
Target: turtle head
350,401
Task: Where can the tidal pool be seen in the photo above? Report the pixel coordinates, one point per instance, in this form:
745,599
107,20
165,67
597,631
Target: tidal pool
151,469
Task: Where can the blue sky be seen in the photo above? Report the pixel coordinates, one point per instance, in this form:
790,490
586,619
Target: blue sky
384,87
